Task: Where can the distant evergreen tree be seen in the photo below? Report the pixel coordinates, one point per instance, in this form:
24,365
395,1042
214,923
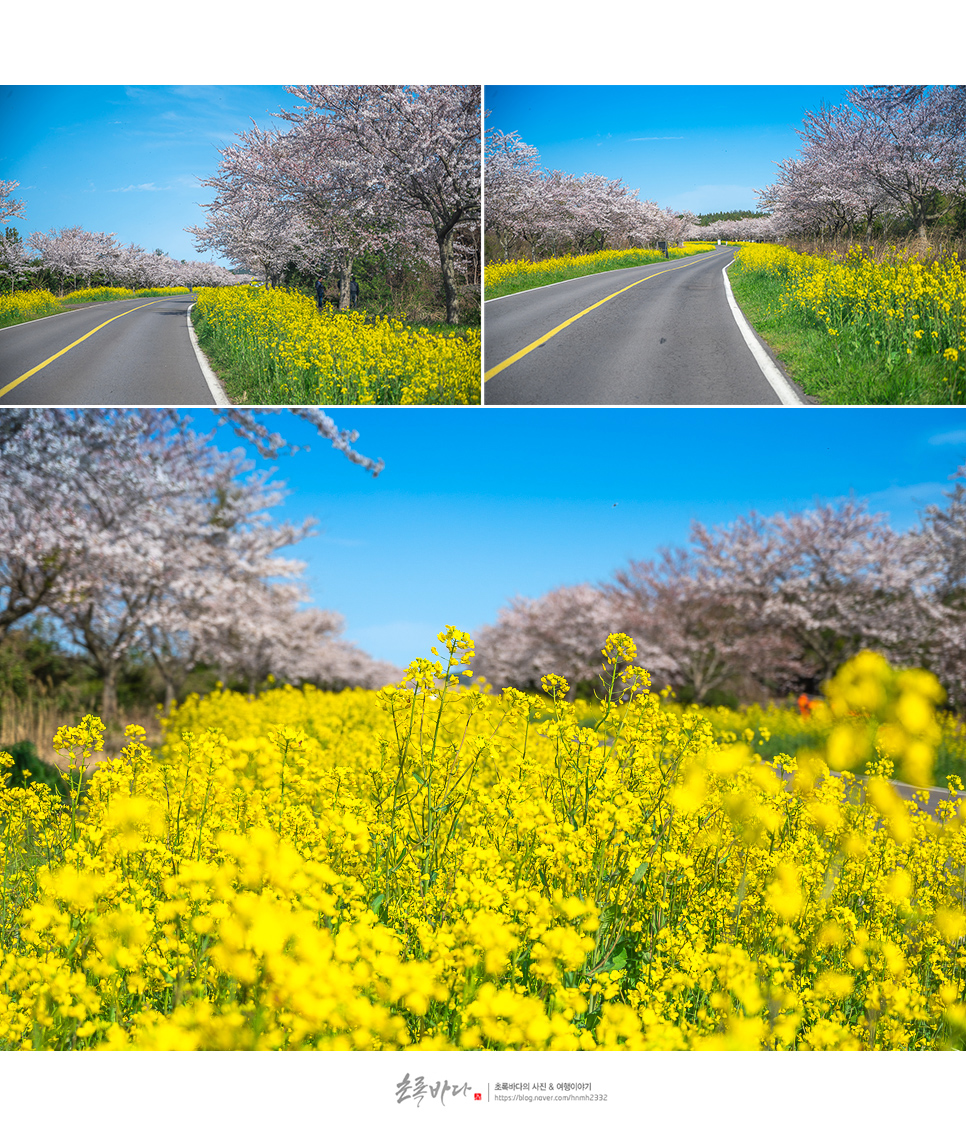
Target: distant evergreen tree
734,215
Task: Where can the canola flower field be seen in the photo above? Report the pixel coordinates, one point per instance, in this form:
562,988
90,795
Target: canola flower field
519,275
887,312
295,354
435,867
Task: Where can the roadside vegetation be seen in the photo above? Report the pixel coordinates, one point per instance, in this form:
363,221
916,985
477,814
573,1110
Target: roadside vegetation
276,346
860,324
21,307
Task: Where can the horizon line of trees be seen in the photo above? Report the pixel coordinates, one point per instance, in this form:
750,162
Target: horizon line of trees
547,213
758,609
137,541
70,258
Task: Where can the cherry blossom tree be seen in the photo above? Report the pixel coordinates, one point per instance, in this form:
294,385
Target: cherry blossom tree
835,579
15,261
165,521
691,615
553,211
898,151
513,181
832,185
67,252
915,145
299,196
358,169
77,254
8,206
765,605
13,256
135,533
420,145
560,633
784,599
234,557
278,639
943,536
252,221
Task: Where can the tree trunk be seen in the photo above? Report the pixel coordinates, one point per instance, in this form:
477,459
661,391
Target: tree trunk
109,707
345,283
449,279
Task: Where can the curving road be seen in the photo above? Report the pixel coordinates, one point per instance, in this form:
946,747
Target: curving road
661,334
122,353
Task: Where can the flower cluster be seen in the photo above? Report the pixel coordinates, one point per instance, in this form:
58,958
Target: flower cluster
18,306
433,866
303,356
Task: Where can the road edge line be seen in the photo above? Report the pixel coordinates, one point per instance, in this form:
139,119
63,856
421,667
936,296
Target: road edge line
215,388
776,380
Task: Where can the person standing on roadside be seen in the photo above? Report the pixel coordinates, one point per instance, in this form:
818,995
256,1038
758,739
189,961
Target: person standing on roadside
320,292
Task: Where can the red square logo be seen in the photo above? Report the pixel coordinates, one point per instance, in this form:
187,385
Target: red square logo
477,1096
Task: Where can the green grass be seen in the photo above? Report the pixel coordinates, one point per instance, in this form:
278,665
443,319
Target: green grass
826,370
242,383
11,319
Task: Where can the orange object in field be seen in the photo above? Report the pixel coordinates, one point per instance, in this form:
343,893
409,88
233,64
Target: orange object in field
804,705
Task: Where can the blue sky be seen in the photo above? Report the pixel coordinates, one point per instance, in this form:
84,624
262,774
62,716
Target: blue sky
703,148
475,506
124,160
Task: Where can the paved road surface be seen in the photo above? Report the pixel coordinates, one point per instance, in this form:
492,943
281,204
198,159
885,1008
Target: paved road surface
659,334
141,356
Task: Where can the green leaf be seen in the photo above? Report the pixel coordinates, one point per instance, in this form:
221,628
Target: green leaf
618,961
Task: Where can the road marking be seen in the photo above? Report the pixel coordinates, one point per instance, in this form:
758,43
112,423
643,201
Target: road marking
573,319
215,388
40,366
779,384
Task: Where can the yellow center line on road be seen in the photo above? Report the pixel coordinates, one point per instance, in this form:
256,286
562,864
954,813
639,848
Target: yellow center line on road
40,366
573,319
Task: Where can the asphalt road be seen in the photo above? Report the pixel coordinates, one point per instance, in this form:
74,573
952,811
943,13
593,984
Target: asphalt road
661,334
139,355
